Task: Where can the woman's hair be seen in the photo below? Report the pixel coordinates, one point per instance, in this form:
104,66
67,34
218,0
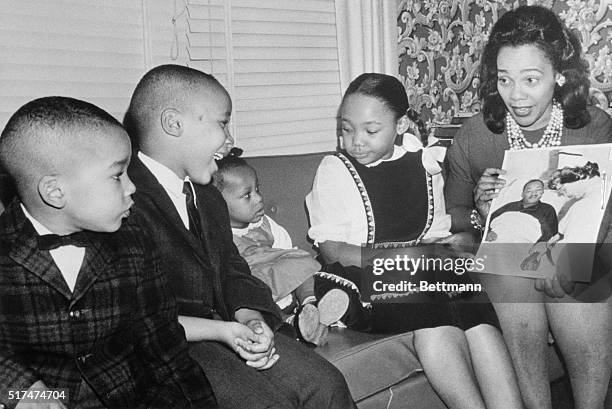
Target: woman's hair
227,165
573,174
390,91
540,27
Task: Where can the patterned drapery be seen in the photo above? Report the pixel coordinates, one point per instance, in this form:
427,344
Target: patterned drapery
440,44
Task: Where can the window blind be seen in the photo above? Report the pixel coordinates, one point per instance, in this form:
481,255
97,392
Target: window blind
86,49
279,61
277,58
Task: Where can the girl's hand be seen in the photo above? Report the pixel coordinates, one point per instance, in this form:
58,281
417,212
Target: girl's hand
487,188
464,242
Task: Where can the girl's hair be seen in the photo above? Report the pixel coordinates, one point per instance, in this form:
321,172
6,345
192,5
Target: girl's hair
390,91
226,166
569,174
540,27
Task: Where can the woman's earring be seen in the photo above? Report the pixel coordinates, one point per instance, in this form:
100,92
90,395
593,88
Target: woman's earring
561,80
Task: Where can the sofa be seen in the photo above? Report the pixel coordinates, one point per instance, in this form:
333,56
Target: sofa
381,371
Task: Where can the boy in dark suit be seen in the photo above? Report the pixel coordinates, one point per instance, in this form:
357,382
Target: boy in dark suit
179,117
86,319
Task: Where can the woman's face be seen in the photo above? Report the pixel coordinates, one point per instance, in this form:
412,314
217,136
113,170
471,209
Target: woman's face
526,82
573,190
369,128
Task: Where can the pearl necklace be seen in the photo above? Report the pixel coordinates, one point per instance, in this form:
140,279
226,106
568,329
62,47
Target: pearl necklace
552,133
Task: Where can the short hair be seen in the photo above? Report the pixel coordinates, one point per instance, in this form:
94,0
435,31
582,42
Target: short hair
226,166
540,181
163,86
390,91
36,135
540,27
572,174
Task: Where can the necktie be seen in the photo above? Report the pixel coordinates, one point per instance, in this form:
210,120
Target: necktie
192,211
53,241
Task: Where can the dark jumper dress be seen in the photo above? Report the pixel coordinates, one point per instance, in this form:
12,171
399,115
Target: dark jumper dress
399,206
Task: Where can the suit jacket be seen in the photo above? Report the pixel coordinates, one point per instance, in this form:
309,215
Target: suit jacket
117,330
208,277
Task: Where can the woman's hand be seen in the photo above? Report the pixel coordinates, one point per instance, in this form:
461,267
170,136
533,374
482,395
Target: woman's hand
560,283
556,287
486,189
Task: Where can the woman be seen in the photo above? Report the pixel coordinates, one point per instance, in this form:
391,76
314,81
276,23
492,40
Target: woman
585,185
534,90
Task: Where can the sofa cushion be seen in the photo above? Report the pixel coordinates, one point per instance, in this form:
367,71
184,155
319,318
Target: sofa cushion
371,363
413,393
284,182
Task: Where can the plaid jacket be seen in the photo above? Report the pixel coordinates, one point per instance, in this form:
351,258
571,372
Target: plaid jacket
118,330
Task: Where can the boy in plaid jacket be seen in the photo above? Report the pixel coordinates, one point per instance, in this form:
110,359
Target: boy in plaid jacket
84,309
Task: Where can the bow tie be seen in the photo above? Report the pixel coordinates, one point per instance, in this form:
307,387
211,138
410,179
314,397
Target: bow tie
53,241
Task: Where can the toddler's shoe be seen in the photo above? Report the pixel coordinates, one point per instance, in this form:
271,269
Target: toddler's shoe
330,308
306,323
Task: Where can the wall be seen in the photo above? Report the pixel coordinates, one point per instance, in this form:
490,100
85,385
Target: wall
440,43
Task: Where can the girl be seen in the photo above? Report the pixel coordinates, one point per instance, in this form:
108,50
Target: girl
534,90
375,194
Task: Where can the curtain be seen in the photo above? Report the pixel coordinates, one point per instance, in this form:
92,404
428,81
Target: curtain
367,38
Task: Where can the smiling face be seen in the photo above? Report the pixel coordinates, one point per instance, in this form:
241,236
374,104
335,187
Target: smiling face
204,133
526,83
241,192
532,193
96,187
369,128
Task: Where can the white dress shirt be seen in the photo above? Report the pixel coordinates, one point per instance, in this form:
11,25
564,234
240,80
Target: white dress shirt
68,259
336,208
172,184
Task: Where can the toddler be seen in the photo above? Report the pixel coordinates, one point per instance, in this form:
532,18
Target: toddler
267,248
